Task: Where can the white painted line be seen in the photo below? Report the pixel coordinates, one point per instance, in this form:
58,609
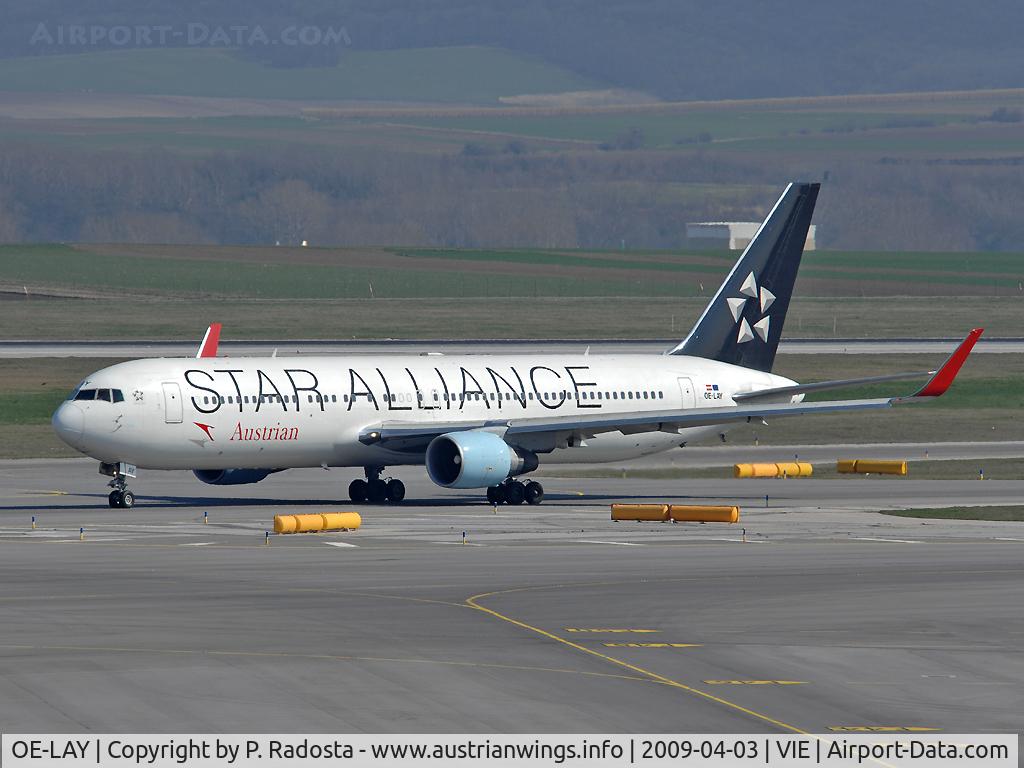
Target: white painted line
197,544
459,543
890,541
741,541
339,544
93,538
1002,538
618,543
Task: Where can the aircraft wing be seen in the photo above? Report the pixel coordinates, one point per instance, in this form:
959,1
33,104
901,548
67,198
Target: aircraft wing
410,435
959,354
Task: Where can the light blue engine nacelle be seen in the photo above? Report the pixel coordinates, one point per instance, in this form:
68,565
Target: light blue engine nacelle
475,459
231,476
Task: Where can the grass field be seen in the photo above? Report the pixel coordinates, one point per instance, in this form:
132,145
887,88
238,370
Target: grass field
424,83
337,273
467,74
474,318
962,513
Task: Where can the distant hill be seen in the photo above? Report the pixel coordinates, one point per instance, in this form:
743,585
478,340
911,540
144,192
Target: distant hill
677,49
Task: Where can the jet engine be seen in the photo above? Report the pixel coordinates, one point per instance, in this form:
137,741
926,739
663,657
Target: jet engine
475,459
231,476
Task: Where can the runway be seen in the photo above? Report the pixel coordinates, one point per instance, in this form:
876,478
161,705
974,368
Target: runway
548,619
137,349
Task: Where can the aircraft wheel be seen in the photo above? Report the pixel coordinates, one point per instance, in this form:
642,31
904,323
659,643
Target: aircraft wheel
515,492
114,499
377,492
357,491
396,491
127,499
496,494
534,492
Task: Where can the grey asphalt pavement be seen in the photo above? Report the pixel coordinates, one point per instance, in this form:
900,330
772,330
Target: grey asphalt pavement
828,616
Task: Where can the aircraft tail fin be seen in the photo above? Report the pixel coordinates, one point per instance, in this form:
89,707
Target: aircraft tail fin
743,323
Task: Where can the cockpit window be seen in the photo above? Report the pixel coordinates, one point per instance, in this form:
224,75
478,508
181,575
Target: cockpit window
107,395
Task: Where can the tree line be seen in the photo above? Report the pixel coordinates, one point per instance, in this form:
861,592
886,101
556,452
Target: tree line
580,199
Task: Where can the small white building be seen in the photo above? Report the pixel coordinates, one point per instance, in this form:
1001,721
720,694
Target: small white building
734,235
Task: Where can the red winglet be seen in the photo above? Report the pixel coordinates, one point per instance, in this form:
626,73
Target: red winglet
943,377
209,346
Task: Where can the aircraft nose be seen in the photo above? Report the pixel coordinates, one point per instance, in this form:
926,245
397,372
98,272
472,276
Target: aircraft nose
69,423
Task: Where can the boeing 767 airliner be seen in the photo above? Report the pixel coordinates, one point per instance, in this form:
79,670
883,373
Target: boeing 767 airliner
474,421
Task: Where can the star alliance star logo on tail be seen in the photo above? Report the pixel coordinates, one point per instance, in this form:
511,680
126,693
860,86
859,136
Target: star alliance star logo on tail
749,291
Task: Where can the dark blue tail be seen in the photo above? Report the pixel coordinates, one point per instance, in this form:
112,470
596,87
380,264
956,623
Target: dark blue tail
743,323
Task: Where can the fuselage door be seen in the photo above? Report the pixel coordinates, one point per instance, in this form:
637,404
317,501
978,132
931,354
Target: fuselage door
689,399
172,402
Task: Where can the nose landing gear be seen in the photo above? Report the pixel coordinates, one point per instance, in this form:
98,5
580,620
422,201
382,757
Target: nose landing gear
374,490
120,497
514,492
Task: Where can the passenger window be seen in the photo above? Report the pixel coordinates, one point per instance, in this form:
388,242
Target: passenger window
334,398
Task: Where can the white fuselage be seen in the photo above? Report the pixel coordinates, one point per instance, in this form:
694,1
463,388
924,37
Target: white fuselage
276,413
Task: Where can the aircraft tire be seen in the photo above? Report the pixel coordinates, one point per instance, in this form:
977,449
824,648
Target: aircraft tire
114,499
534,492
127,500
515,493
396,491
496,494
377,492
357,491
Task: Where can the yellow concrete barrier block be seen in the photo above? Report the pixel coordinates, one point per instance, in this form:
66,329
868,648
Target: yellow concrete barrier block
755,470
846,466
331,521
341,521
873,467
689,513
656,513
795,469
782,469
308,523
285,524
882,467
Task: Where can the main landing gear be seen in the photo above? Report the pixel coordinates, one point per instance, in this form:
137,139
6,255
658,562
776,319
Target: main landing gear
514,492
374,490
